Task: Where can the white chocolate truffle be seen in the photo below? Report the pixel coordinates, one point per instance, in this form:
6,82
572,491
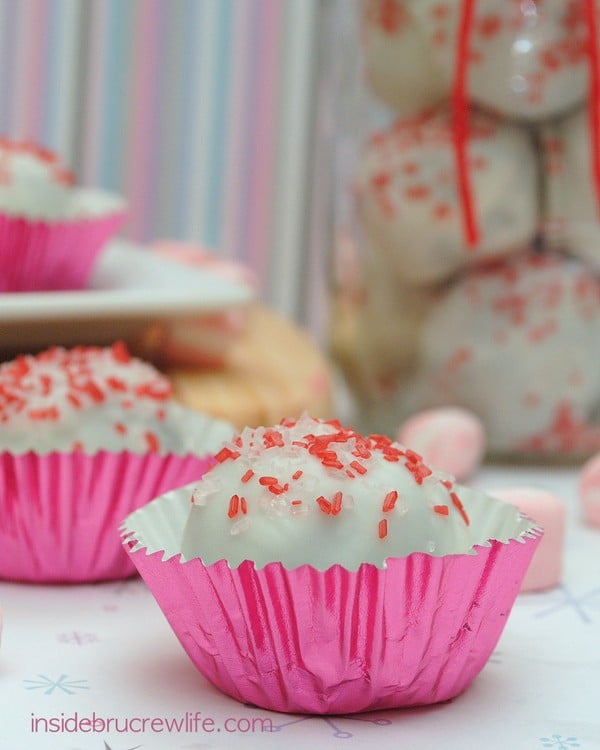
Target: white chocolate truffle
33,182
517,343
92,399
398,64
312,492
409,202
526,60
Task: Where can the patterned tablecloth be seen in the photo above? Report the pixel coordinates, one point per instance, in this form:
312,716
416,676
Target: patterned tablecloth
90,654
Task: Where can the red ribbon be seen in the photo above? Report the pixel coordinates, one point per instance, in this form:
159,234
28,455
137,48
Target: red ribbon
460,111
594,94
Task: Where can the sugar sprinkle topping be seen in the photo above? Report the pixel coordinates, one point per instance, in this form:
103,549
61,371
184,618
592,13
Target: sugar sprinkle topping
344,454
55,386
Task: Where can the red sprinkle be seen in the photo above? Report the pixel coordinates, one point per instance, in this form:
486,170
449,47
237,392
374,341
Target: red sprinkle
73,400
156,392
277,489
383,529
390,501
324,504
50,413
116,384
459,506
267,481
248,476
297,474
120,428
359,468
152,441
273,438
226,453
443,510
94,391
234,504
336,503
296,502
243,505
418,470
120,353
46,383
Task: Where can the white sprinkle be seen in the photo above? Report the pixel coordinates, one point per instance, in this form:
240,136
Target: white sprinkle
273,507
198,497
239,526
209,485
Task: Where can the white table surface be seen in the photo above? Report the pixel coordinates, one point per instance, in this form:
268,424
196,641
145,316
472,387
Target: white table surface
108,649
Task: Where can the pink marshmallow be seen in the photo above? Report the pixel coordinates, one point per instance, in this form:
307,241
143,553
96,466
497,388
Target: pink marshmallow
450,439
549,512
589,490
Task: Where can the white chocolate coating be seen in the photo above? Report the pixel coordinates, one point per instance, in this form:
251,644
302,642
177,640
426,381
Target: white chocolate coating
572,197
527,60
517,344
94,399
33,182
410,205
398,64
313,492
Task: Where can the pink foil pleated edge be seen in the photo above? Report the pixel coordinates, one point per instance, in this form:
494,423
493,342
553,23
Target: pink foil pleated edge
60,512
339,641
49,256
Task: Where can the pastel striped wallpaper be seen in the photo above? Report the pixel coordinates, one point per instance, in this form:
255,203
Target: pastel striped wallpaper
199,111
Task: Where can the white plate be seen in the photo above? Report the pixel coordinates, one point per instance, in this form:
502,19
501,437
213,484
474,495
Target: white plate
130,288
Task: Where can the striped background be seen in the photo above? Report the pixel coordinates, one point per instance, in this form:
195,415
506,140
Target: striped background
199,111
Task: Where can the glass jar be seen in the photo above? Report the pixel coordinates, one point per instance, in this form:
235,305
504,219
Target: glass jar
466,248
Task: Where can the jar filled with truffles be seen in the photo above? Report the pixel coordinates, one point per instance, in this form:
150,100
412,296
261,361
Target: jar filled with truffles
466,249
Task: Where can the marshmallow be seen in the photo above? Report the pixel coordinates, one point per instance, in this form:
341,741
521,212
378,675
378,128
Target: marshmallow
589,490
409,202
527,60
549,512
517,344
451,439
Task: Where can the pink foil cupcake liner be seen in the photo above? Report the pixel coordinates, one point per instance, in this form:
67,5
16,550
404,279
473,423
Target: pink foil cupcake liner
332,641
60,512
43,255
